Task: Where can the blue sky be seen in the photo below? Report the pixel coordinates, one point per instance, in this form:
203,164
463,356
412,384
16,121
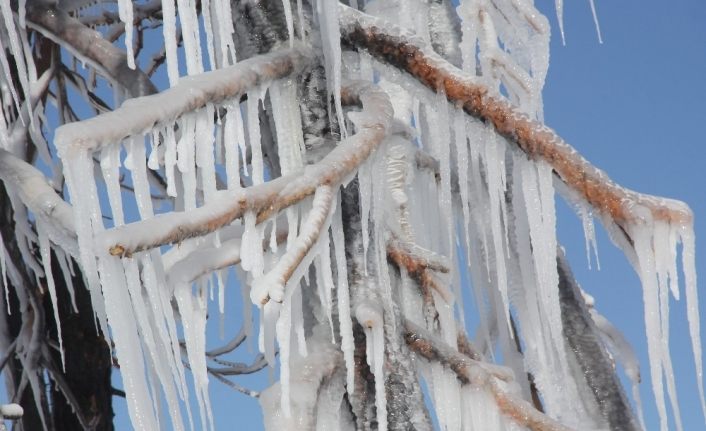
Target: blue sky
633,106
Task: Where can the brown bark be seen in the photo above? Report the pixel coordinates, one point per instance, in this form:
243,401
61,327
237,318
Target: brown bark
534,138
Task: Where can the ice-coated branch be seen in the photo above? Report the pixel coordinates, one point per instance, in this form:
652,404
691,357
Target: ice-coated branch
390,45
309,374
272,285
420,264
87,45
269,198
139,115
480,374
35,192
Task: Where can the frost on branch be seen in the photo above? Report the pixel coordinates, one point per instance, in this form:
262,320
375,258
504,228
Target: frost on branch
429,153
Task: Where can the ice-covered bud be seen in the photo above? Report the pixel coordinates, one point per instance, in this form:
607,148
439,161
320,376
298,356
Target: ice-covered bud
369,314
11,411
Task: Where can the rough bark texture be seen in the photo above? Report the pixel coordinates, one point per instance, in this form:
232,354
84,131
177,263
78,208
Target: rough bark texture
584,341
88,360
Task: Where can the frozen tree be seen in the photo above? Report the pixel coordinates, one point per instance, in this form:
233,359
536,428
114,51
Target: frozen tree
347,170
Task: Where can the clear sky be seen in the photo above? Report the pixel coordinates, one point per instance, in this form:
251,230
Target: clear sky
633,106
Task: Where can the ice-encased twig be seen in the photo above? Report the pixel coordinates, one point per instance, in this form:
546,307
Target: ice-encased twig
271,197
480,374
406,52
140,115
272,284
88,45
35,192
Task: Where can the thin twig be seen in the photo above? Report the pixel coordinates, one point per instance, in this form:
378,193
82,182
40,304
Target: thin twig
479,374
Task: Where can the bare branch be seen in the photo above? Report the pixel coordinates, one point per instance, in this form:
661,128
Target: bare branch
233,385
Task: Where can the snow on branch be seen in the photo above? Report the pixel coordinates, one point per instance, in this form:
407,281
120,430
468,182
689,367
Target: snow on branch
272,285
389,44
87,45
269,198
141,115
477,373
420,264
35,192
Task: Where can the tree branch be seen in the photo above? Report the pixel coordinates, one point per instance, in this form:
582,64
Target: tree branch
139,115
389,44
88,45
481,374
271,197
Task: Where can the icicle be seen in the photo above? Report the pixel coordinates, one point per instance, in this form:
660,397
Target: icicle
8,78
323,265
3,273
221,296
193,316
298,322
645,256
365,191
137,157
285,111
253,104
190,35
84,195
468,12
344,311
686,234
125,14
269,314
16,50
170,159
559,6
495,167
287,6
170,41
251,253
589,233
284,333
300,14
273,237
204,151
45,251
369,314
595,20
185,159
233,125
225,28
129,351
247,311
208,26
327,15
